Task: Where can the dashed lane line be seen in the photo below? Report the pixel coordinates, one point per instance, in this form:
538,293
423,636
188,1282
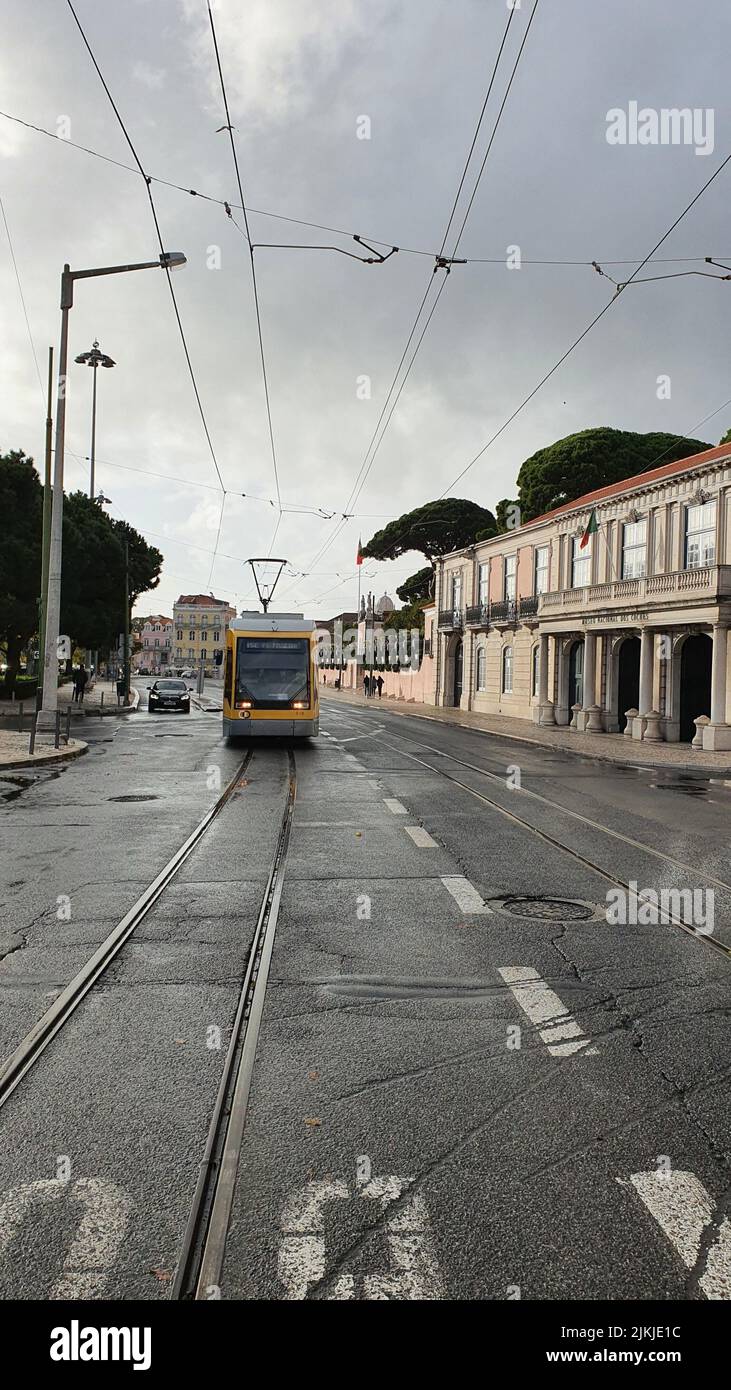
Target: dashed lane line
395,807
681,1206
466,895
421,837
556,1026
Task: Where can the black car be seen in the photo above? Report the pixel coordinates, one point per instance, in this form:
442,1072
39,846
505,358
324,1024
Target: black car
169,694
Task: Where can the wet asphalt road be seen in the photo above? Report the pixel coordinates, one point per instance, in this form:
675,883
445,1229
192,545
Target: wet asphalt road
450,1099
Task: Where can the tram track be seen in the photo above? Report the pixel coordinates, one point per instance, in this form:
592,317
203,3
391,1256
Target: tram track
668,918
20,1062
200,1264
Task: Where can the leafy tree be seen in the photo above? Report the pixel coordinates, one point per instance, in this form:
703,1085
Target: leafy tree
418,586
593,459
507,514
93,574
21,509
433,529
726,438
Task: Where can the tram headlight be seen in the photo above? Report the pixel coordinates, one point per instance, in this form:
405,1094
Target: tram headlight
299,704
243,704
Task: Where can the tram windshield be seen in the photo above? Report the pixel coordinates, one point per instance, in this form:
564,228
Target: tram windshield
272,671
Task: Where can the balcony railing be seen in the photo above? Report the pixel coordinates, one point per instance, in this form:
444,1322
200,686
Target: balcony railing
450,620
505,611
655,590
477,615
528,607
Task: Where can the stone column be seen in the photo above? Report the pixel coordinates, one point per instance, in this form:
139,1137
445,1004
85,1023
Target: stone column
717,734
546,713
647,654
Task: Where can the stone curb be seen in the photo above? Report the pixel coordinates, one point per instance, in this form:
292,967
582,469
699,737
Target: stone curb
46,755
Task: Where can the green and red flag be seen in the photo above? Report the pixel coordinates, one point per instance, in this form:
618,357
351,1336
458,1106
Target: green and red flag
359,556
592,526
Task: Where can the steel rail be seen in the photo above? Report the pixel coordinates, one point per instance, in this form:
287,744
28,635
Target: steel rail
26,1054
668,918
200,1264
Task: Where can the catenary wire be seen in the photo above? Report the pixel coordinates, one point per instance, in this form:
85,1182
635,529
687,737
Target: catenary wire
159,238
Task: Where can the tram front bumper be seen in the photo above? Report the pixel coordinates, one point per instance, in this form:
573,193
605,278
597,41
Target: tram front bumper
271,728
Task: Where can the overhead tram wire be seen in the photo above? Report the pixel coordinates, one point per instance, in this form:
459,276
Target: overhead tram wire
22,301
340,231
586,331
229,128
368,464
159,238
365,465
353,500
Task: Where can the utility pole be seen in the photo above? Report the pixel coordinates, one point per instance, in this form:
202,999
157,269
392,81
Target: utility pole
126,620
167,261
46,535
94,359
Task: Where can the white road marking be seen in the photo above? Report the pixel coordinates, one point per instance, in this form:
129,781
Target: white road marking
375,785
413,1271
353,738
331,824
394,806
421,837
546,1011
466,895
681,1206
356,766
105,1213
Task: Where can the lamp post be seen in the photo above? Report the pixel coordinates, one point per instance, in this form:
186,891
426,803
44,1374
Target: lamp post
168,260
94,359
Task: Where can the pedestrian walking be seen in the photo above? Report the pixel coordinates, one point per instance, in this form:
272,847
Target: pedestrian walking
82,677
367,685
379,683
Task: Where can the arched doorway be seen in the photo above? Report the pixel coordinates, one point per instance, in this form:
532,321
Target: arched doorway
576,674
695,683
628,679
458,669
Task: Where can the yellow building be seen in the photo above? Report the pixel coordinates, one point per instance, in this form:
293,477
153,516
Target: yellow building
200,624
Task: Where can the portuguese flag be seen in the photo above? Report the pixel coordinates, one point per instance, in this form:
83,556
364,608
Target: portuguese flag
591,529
359,556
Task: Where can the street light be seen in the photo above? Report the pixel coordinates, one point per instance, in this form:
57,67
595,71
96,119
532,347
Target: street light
168,260
94,359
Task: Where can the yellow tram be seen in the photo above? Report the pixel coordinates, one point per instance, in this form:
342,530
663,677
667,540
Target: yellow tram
270,680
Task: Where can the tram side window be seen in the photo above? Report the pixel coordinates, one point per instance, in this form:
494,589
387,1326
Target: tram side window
272,671
228,678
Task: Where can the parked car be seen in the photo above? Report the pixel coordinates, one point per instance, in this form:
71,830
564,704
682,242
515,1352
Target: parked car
169,694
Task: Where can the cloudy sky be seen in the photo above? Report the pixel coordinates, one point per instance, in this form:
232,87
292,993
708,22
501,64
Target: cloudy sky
301,78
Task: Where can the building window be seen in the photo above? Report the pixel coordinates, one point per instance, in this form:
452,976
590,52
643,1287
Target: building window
217,635
580,563
700,535
190,652
178,651
204,654
483,584
507,670
179,634
535,669
481,668
204,637
540,572
510,564
157,641
191,636
634,549
457,593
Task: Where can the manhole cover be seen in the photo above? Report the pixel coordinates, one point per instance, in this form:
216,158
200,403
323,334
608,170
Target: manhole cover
548,909
133,798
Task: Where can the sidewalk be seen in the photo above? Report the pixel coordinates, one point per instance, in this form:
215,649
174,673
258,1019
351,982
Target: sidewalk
611,748
92,703
14,750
